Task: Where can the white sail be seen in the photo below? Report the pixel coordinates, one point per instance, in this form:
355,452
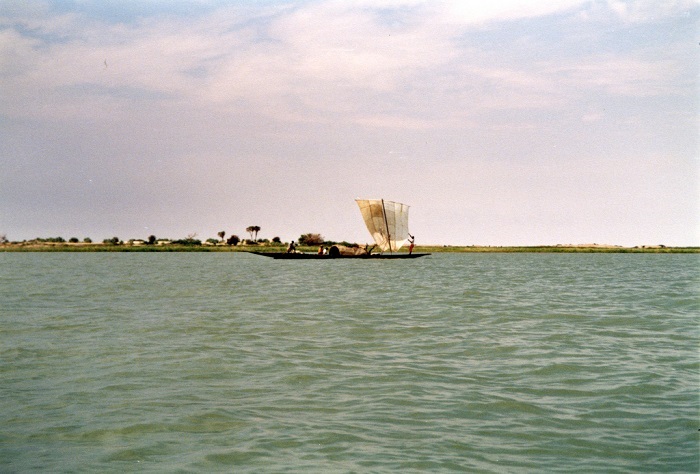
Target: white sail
387,222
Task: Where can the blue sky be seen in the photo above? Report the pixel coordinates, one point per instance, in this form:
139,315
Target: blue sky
500,123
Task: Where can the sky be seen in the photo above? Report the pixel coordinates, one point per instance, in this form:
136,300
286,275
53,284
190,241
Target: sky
513,122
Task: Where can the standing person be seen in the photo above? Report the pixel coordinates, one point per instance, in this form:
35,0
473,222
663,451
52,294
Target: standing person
411,241
292,247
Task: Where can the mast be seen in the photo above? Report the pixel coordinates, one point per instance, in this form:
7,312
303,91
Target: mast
386,224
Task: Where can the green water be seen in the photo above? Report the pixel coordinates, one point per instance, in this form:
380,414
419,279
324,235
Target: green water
193,362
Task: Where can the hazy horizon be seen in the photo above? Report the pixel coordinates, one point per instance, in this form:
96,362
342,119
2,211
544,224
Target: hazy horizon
502,123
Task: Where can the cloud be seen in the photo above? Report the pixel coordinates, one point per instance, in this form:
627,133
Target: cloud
622,76
476,12
229,107
644,11
308,62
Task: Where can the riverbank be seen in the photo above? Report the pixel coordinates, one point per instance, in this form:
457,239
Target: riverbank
593,248
126,247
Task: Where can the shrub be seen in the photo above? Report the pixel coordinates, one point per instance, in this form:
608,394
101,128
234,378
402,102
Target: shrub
58,240
73,240
310,239
188,241
276,240
233,240
87,240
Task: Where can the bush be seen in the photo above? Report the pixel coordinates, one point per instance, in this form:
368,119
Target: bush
276,240
112,241
233,240
58,240
73,240
188,241
310,239
87,240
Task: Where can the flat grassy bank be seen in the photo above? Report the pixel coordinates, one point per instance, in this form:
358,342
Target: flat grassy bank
557,249
101,247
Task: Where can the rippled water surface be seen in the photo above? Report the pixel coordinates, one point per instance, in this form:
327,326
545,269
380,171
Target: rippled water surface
455,362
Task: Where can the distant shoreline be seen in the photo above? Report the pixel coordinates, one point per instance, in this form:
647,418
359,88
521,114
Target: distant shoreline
126,247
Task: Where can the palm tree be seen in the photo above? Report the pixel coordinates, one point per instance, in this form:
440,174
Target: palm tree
250,229
256,229
221,235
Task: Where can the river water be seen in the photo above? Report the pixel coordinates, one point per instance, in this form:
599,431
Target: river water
230,362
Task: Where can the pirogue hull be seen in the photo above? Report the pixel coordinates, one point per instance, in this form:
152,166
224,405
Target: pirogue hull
315,256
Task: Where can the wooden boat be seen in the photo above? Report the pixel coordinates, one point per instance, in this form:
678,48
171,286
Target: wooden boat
316,256
386,221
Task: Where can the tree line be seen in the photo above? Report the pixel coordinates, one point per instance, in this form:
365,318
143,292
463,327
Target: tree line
307,239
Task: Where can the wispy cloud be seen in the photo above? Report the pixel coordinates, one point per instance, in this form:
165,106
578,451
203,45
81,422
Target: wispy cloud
221,84
316,56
